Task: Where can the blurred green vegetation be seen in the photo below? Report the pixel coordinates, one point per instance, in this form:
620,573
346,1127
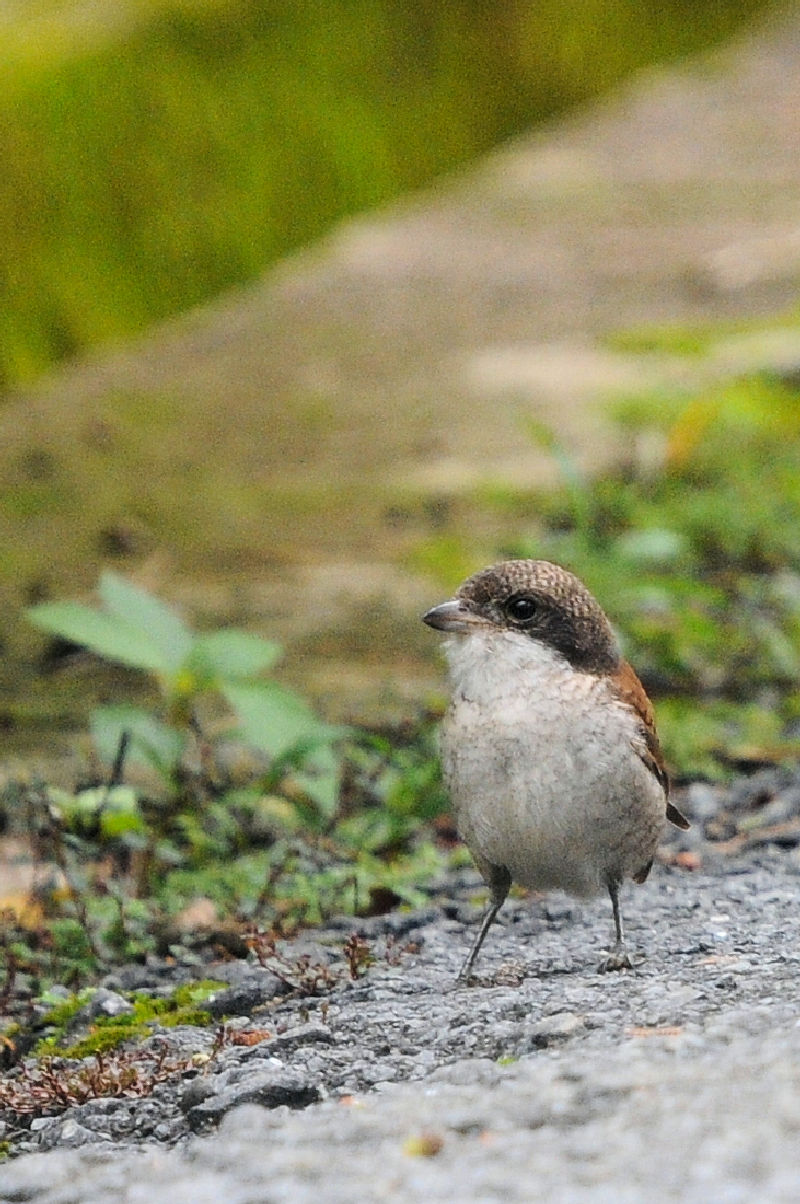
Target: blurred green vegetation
255,808
157,151
269,816
695,553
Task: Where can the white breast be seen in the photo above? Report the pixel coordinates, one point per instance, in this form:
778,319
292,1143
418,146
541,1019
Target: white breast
540,763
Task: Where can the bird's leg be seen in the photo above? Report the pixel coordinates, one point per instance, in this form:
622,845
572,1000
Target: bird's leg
499,881
618,958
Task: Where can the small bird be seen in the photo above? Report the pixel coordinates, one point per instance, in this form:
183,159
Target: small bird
549,747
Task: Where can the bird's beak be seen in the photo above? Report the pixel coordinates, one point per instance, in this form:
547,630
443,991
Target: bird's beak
451,616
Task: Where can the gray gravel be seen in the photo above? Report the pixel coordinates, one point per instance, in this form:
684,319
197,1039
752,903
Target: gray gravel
664,1119
680,1079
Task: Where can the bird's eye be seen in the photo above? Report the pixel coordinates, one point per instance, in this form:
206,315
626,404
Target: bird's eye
521,608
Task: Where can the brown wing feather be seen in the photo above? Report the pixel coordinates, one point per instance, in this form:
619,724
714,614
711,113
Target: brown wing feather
631,691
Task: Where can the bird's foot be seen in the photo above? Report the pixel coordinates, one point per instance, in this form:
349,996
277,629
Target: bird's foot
465,982
510,974
620,959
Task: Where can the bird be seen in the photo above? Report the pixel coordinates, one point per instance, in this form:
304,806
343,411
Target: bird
549,747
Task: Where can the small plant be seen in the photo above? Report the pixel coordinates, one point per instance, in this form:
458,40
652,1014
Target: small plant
269,817
291,748
306,977
358,955
301,975
49,1086
133,628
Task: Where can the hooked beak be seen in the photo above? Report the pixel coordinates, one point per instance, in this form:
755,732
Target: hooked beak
452,616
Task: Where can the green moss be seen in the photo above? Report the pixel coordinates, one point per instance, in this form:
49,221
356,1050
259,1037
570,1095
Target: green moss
101,1039
704,741
60,1015
109,1032
182,1002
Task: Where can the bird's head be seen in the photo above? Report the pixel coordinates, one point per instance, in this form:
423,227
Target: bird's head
538,600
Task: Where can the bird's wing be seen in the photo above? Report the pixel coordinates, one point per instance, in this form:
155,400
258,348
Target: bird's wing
631,692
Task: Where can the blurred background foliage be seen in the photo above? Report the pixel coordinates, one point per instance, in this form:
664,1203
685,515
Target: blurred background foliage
155,152
694,549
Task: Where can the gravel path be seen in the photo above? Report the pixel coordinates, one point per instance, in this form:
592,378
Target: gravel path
545,1080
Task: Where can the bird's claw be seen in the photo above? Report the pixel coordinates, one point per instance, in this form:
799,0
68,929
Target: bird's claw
620,959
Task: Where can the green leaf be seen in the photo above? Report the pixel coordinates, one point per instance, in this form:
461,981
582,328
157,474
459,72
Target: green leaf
152,742
118,808
142,611
231,655
103,634
320,780
275,720
116,823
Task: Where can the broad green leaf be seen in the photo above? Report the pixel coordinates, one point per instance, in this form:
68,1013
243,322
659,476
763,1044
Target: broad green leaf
274,720
320,779
115,823
142,611
101,633
231,654
152,742
118,807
